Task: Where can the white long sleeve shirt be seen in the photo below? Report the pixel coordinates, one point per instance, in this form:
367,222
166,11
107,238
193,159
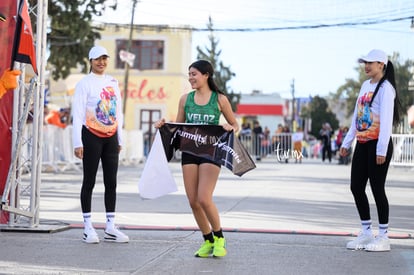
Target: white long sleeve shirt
97,104
375,122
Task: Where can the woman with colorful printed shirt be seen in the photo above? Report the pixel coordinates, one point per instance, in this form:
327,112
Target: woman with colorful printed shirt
204,105
97,133
376,110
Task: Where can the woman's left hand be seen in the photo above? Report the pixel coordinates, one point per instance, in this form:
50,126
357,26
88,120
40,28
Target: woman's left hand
228,127
380,160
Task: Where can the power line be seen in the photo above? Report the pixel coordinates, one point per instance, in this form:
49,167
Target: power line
301,27
270,29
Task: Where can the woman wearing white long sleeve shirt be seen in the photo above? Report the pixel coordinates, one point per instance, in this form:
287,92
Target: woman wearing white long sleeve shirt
97,133
376,109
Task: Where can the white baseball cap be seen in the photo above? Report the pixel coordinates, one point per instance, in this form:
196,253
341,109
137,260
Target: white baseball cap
97,51
374,56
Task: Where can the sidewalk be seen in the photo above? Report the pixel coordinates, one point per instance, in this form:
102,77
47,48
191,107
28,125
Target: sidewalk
279,219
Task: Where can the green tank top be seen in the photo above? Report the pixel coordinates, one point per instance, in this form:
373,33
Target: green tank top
202,114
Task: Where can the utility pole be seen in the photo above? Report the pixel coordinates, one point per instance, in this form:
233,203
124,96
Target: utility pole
292,90
128,49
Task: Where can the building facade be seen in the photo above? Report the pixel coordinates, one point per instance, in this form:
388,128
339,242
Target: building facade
268,109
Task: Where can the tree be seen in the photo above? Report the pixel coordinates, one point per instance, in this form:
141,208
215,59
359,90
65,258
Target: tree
403,75
350,90
222,73
71,33
319,113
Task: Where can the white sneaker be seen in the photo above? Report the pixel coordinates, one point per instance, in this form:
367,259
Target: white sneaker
114,235
360,242
90,236
381,243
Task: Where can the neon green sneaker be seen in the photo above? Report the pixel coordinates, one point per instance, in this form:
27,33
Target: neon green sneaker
205,250
219,247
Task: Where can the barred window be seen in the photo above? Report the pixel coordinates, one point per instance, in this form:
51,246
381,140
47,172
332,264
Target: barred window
149,54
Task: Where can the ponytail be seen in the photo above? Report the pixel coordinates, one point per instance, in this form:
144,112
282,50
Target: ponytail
389,75
212,85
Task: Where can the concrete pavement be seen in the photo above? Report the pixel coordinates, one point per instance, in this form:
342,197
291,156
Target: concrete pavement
279,219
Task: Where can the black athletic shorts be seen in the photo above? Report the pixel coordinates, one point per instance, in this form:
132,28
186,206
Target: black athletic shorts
187,158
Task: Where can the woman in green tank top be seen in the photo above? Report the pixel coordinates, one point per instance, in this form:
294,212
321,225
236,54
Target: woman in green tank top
204,105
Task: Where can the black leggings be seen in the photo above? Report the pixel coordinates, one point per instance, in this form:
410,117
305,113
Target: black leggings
95,149
364,167
327,150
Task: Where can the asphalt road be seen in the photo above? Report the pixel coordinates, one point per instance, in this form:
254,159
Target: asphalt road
278,219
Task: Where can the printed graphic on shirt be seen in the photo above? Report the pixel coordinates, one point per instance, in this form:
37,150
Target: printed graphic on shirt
364,117
367,122
106,107
103,117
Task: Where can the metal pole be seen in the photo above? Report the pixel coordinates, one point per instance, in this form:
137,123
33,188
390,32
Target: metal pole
41,43
292,86
134,3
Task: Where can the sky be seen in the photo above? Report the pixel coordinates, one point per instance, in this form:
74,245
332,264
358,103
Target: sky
318,60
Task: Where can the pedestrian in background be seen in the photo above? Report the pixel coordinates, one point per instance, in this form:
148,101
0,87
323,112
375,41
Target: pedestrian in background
257,141
297,138
325,135
245,135
97,133
200,174
265,143
376,110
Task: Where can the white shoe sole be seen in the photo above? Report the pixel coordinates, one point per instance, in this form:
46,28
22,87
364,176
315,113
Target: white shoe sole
92,241
113,239
375,249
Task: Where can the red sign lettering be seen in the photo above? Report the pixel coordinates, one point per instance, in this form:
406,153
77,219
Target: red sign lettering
143,92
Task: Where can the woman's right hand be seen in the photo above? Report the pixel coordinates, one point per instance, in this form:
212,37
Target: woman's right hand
343,152
79,152
159,123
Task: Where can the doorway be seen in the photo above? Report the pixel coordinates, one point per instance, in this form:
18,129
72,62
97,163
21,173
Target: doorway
147,119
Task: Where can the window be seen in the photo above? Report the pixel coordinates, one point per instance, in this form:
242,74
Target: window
149,54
